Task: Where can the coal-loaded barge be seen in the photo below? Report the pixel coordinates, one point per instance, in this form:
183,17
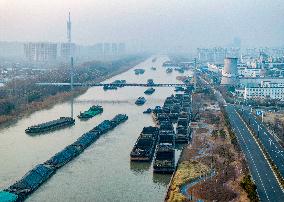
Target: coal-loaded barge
176,109
149,91
140,101
51,125
91,112
33,179
145,145
164,159
160,141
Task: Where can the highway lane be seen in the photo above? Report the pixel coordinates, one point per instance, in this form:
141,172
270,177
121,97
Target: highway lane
271,145
267,184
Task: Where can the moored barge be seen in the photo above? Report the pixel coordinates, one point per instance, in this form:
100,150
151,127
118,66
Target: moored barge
165,159
145,145
182,135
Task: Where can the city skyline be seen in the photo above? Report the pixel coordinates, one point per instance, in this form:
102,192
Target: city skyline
180,25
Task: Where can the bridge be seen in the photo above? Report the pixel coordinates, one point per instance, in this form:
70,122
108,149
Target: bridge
117,85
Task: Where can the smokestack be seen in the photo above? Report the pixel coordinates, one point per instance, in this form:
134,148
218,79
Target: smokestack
230,71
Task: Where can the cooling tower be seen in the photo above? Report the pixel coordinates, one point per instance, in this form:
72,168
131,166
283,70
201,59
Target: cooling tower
230,72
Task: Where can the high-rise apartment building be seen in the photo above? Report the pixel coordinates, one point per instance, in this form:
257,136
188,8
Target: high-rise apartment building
40,51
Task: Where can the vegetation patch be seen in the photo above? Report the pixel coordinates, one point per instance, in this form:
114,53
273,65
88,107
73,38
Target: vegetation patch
248,185
186,171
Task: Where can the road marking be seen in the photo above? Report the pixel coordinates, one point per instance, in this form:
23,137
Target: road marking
252,161
266,143
260,150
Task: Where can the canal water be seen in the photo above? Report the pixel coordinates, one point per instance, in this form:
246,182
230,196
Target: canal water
103,172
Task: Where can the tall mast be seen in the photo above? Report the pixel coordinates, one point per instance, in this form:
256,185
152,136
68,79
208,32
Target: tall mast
69,28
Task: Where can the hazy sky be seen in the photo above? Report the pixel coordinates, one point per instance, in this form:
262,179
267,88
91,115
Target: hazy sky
150,23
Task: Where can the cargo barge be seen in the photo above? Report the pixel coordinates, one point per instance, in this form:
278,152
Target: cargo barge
140,101
183,135
149,91
179,88
33,179
109,87
139,71
169,70
145,145
165,159
166,126
51,125
119,83
148,111
167,136
150,82
93,111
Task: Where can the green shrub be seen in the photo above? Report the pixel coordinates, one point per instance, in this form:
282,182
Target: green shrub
250,188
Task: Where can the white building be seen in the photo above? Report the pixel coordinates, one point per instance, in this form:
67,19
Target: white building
266,90
244,71
40,51
259,81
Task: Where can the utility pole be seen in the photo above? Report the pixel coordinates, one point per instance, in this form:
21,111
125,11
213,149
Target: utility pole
194,73
72,106
71,74
72,86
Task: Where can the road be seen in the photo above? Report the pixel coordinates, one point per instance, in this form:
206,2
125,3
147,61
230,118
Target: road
271,145
267,185
217,93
